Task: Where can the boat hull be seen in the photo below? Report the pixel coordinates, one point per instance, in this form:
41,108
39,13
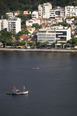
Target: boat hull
18,93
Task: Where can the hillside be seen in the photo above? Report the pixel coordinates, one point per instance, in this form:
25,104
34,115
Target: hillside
13,5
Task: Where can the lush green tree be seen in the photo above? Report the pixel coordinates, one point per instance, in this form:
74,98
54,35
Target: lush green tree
38,44
30,43
37,26
72,42
5,37
44,44
12,5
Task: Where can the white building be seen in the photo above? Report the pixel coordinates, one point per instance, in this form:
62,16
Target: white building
44,10
26,12
16,13
46,35
34,14
3,24
59,34
52,13
70,11
14,25
9,14
40,11
57,12
32,21
63,35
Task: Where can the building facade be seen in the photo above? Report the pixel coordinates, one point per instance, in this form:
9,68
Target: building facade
14,25
54,34
3,24
34,14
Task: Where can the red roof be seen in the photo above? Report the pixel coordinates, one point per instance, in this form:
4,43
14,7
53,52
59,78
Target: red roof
28,27
24,37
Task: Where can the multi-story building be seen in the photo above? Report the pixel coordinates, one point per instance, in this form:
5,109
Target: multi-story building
46,35
14,25
57,12
32,21
70,11
59,34
44,10
3,24
40,11
34,14
9,14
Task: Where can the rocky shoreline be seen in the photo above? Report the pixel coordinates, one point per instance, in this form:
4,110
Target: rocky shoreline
41,50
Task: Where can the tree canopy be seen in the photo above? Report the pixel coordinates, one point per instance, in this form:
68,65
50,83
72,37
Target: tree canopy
13,5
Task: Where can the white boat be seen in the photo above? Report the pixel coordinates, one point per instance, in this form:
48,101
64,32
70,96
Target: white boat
16,91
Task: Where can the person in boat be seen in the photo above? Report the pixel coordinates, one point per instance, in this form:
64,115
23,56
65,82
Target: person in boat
15,90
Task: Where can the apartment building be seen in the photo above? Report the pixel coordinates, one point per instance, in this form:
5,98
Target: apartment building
57,12
40,11
46,35
14,25
3,24
34,14
44,10
32,21
9,14
70,11
59,34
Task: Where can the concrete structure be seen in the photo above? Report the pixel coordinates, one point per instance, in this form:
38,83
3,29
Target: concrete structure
46,35
57,12
26,12
70,11
34,14
30,29
16,13
32,21
44,10
40,11
14,25
59,34
9,14
3,24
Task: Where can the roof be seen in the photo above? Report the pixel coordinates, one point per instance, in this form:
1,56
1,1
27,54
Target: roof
29,27
24,36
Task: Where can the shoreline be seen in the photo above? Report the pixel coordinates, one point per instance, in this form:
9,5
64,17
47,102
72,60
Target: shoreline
40,50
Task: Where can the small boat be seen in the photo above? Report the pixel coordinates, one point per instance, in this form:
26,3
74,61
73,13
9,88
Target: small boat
16,91
36,68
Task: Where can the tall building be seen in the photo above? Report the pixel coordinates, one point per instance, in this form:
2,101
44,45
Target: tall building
3,24
70,11
40,11
44,10
14,25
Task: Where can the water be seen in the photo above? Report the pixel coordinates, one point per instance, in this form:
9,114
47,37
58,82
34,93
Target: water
52,88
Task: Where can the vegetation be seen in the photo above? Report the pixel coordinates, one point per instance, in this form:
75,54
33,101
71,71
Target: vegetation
23,19
72,42
37,26
5,37
7,5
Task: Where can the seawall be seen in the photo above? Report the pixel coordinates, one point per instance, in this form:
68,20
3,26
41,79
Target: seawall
41,50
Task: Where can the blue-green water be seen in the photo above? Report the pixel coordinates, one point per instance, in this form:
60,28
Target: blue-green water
52,88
